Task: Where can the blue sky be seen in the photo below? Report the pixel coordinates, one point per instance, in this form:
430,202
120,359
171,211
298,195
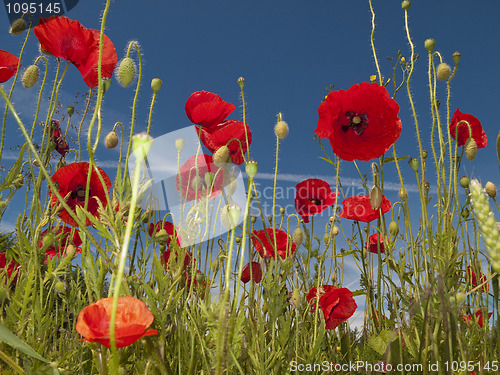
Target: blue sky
288,52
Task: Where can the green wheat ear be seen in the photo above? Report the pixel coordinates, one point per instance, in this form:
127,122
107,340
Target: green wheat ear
498,148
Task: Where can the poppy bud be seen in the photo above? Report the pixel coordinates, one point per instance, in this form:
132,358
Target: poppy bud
424,154
209,179
282,210
326,239
443,71
222,156
35,163
30,76
251,168
141,144
393,228
106,84
71,110
179,144
405,5
298,236
429,45
460,297
196,183
335,230
237,239
413,164
491,189
18,181
241,82
403,194
295,299
456,57
156,84
18,26
48,239
111,140
60,287
465,213
470,149
376,197
125,73
281,129
253,219
464,182
215,266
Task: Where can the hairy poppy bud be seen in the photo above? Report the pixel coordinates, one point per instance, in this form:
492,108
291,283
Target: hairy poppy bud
464,182
111,140
71,110
125,73
393,228
376,197
413,163
491,189
251,168
106,84
456,57
60,287
429,45
470,149
30,76
18,26
222,156
215,266
295,299
298,236
156,84
405,5
443,71
335,230
403,194
179,144
281,129
241,82
209,179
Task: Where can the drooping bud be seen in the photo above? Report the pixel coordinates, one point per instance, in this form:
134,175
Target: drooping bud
48,240
295,299
443,71
106,84
298,236
70,110
456,57
179,144
335,230
429,45
464,182
111,140
405,5
125,73
470,149
241,82
491,189
251,168
403,194
18,26
30,76
222,156
424,154
375,197
393,228
413,164
156,84
281,129
209,179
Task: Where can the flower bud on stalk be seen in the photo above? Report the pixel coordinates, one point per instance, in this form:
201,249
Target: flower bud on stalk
429,44
413,163
111,140
251,168
156,84
376,197
125,73
179,144
222,156
295,299
30,76
443,71
403,194
393,228
71,110
335,230
470,149
487,224
405,5
281,129
464,182
456,57
18,26
241,82
298,236
491,189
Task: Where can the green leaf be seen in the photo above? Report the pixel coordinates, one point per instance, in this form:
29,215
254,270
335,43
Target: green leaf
392,159
327,160
10,339
498,148
380,342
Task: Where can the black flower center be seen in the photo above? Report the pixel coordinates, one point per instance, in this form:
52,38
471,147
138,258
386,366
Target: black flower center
357,121
316,202
79,193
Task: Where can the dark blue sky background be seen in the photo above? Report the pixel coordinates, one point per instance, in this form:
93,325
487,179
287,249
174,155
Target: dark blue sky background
288,52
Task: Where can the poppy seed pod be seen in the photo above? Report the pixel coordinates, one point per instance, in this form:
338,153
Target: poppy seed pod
251,168
18,26
429,45
470,149
464,182
491,189
443,71
30,76
298,236
456,57
156,84
70,110
125,73
413,163
241,82
405,5
281,129
111,140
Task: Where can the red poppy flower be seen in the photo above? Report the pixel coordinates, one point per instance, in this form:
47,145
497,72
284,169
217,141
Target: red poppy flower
132,319
69,40
373,247
479,318
64,240
283,246
256,273
463,130
72,180
230,133
62,146
337,304
10,267
8,65
359,208
207,109
313,196
192,181
361,123
472,279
